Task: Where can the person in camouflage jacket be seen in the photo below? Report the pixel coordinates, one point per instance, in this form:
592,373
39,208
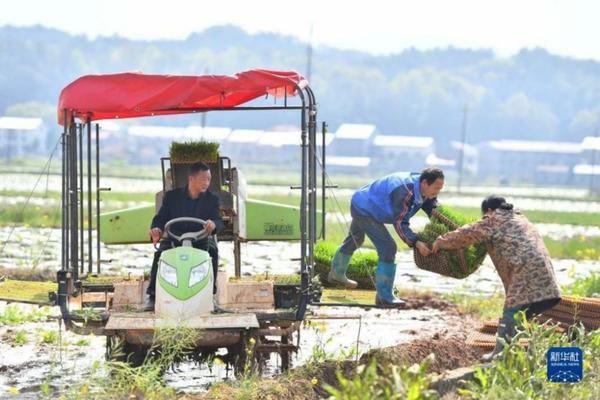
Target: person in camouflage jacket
520,257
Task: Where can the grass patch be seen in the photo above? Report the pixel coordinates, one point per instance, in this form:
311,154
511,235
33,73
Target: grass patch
348,296
485,307
28,273
278,279
544,216
585,287
36,292
14,315
581,248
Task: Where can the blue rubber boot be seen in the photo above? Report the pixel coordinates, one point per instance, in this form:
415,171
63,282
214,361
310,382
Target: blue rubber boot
337,273
384,283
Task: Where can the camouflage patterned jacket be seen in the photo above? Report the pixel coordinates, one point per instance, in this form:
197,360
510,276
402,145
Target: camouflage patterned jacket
517,251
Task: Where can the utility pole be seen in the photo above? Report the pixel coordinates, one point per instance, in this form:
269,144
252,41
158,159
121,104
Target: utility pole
203,118
593,167
461,154
309,54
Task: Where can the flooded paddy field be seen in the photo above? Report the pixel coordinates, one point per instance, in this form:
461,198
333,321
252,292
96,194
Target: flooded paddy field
40,359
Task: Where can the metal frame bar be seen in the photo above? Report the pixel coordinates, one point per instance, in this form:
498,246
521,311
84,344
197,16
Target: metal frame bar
73,199
89,196
97,198
80,194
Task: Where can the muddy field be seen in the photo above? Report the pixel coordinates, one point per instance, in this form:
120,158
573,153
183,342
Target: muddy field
52,360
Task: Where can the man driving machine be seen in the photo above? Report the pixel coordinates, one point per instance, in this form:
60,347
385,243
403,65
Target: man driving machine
192,200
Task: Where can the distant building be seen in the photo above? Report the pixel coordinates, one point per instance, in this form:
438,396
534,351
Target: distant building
394,153
149,143
280,147
214,134
348,165
241,144
538,162
353,140
22,136
591,149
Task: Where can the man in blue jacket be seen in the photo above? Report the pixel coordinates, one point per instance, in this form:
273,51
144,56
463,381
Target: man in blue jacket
393,199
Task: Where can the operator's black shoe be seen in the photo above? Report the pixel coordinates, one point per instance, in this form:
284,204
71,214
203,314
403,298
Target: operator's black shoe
149,303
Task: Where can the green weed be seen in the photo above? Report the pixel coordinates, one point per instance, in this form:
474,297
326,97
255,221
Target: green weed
120,380
20,338
390,383
48,337
520,373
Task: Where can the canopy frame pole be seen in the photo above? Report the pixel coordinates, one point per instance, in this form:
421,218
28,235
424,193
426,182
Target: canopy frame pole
89,196
80,194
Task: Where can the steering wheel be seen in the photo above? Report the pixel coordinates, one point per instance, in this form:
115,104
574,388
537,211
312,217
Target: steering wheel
198,235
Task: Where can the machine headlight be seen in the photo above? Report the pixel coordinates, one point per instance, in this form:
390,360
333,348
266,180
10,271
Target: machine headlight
168,273
199,272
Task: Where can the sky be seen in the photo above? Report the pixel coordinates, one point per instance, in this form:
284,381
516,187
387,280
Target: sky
563,27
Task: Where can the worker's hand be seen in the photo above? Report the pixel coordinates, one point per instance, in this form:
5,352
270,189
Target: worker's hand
210,226
155,234
435,247
422,248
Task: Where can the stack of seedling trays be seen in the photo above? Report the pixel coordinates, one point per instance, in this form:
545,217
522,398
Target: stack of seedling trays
569,311
452,263
184,154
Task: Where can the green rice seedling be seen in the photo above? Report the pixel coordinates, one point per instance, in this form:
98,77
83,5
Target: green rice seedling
474,254
361,269
194,151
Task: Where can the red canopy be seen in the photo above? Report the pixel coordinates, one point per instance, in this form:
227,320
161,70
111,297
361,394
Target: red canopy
129,95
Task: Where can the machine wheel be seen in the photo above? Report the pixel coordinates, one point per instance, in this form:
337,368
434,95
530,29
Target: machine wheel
118,349
242,355
286,356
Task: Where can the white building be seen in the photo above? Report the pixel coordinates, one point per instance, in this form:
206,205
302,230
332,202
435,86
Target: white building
22,136
540,162
280,147
353,140
400,153
348,165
